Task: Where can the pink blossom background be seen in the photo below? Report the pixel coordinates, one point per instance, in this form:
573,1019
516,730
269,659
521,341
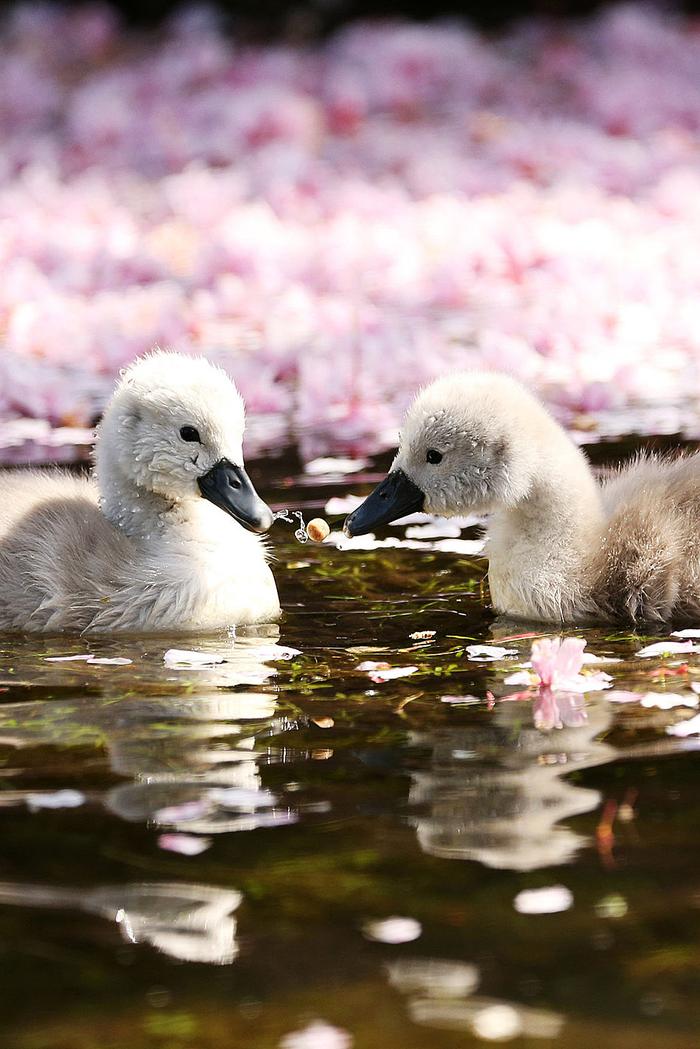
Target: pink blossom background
340,223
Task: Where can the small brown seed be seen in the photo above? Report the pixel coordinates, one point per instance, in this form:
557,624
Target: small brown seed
318,530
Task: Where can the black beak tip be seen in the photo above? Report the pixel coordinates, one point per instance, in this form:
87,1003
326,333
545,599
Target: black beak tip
229,487
265,521
395,497
348,525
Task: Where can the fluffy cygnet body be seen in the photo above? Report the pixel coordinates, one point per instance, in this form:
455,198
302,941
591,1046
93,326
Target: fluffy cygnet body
146,544
562,547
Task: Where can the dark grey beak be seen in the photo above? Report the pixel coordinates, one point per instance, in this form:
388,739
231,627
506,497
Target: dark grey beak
394,497
229,487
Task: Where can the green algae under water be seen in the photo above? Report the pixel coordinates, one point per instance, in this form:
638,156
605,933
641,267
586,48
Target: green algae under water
343,802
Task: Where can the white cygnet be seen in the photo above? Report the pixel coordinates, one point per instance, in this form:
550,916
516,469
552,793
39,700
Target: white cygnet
562,547
161,539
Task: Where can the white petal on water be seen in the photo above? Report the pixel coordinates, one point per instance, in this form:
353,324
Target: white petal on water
468,547
434,530
58,799
489,653
521,677
550,900
463,701
178,658
669,700
116,661
270,653
491,1019
88,657
422,635
667,648
343,504
497,1023
421,518
435,977
381,672
318,1035
333,465
393,930
380,676
581,683
686,633
590,657
621,696
68,659
185,844
691,727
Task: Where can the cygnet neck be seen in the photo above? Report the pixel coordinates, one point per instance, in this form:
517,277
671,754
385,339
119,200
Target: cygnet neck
136,511
539,549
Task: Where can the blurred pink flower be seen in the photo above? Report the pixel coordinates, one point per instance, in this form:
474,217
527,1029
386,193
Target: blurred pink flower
341,222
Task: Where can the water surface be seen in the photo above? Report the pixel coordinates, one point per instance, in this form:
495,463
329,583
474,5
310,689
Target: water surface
329,803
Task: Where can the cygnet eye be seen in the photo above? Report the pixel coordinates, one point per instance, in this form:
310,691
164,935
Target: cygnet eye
433,456
189,433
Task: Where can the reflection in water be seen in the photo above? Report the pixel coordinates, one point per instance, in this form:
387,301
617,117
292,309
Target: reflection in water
169,771
174,748
490,1019
440,994
495,793
192,923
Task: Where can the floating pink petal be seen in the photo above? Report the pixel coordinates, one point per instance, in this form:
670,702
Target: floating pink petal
557,663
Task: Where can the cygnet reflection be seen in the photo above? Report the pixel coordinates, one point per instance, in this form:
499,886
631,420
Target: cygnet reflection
175,748
440,994
496,792
193,923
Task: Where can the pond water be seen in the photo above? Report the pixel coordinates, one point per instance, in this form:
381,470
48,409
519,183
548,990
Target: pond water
325,803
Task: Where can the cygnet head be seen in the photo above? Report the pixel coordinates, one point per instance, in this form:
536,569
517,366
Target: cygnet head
174,429
461,450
